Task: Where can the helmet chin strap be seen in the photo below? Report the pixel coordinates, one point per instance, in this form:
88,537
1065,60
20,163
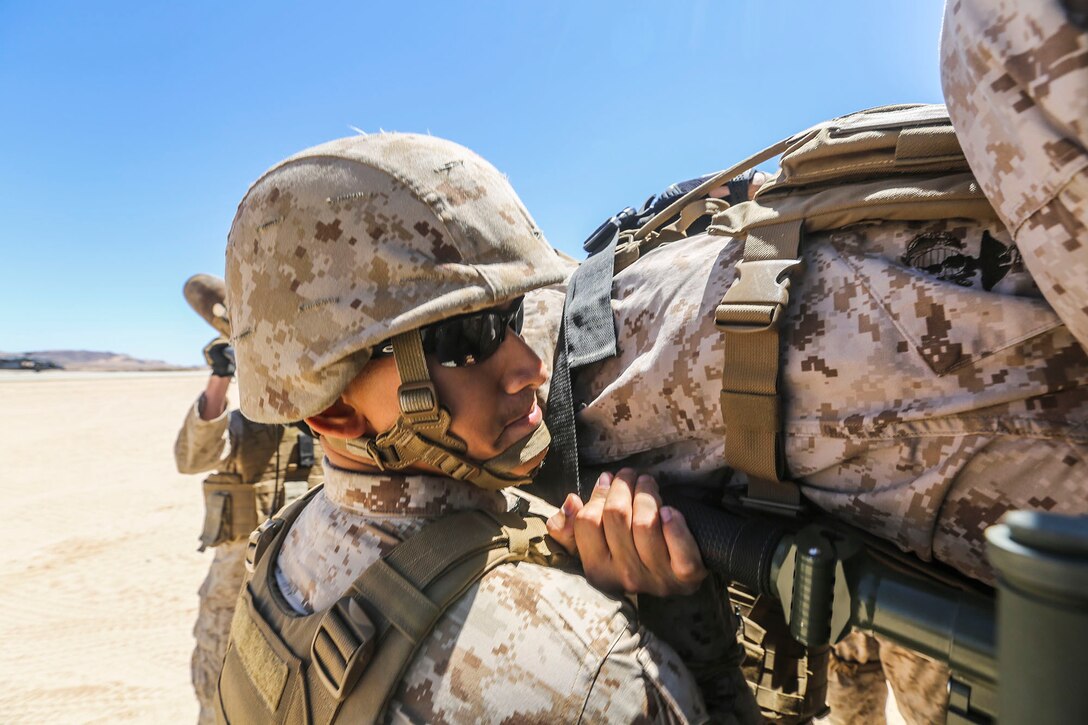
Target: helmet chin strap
422,432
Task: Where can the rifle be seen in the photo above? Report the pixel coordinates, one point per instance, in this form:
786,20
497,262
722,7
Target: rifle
831,578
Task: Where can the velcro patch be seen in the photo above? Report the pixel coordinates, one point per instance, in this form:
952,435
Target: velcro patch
265,669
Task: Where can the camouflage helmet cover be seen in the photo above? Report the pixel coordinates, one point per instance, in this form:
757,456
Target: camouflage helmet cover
348,243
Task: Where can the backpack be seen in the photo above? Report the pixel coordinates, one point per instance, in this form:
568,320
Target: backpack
899,163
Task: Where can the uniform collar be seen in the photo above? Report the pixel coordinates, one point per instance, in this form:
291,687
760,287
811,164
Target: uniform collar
401,494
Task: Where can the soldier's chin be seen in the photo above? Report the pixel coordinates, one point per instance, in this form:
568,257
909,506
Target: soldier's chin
530,465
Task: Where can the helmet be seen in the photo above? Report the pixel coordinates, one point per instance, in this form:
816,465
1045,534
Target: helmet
205,293
359,241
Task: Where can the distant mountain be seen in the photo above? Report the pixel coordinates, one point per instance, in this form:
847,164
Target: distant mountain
92,360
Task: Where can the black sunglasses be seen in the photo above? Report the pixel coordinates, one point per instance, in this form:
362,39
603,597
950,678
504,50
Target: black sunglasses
468,339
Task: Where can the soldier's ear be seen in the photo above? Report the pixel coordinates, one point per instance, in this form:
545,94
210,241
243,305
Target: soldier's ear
340,420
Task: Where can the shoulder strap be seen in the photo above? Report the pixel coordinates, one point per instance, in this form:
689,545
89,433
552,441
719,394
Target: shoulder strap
345,662
587,331
898,163
710,184
366,640
748,317
587,334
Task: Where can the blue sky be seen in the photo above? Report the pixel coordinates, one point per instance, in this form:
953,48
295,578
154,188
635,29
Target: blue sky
130,130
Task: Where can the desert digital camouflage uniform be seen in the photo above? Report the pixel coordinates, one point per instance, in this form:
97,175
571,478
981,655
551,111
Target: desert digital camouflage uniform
926,378
860,667
933,378
344,246
217,445
526,644
917,407
1015,76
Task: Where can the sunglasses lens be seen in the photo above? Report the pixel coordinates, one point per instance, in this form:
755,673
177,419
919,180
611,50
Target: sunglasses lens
450,345
473,338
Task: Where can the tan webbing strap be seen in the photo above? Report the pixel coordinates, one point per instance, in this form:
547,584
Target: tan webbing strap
712,183
418,398
518,539
399,601
926,145
444,543
630,250
690,214
409,589
368,699
748,317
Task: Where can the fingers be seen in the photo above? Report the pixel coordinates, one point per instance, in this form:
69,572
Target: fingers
627,540
589,532
686,563
561,524
646,529
627,568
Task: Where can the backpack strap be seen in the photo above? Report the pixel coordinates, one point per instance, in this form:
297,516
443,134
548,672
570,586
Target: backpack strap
587,334
712,182
587,331
893,163
748,317
366,640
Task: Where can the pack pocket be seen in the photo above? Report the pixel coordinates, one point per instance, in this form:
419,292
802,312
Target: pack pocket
949,326
233,509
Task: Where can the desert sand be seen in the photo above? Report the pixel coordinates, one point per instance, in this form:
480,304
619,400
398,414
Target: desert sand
99,571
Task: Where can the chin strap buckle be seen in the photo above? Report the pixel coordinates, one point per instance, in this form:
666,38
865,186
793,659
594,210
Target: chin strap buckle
419,401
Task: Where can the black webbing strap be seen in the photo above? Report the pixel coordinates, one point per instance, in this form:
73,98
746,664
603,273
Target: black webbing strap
587,334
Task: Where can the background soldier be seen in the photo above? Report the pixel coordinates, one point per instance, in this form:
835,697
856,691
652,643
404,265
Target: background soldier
258,468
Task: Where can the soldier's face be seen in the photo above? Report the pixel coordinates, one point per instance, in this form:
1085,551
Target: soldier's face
492,404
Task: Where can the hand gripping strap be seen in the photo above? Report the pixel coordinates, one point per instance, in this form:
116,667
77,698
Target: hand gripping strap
406,593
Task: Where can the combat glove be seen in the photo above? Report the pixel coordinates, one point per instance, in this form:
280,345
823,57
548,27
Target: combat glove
220,356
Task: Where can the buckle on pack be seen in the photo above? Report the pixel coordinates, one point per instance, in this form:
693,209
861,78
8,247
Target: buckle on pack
755,300
343,645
